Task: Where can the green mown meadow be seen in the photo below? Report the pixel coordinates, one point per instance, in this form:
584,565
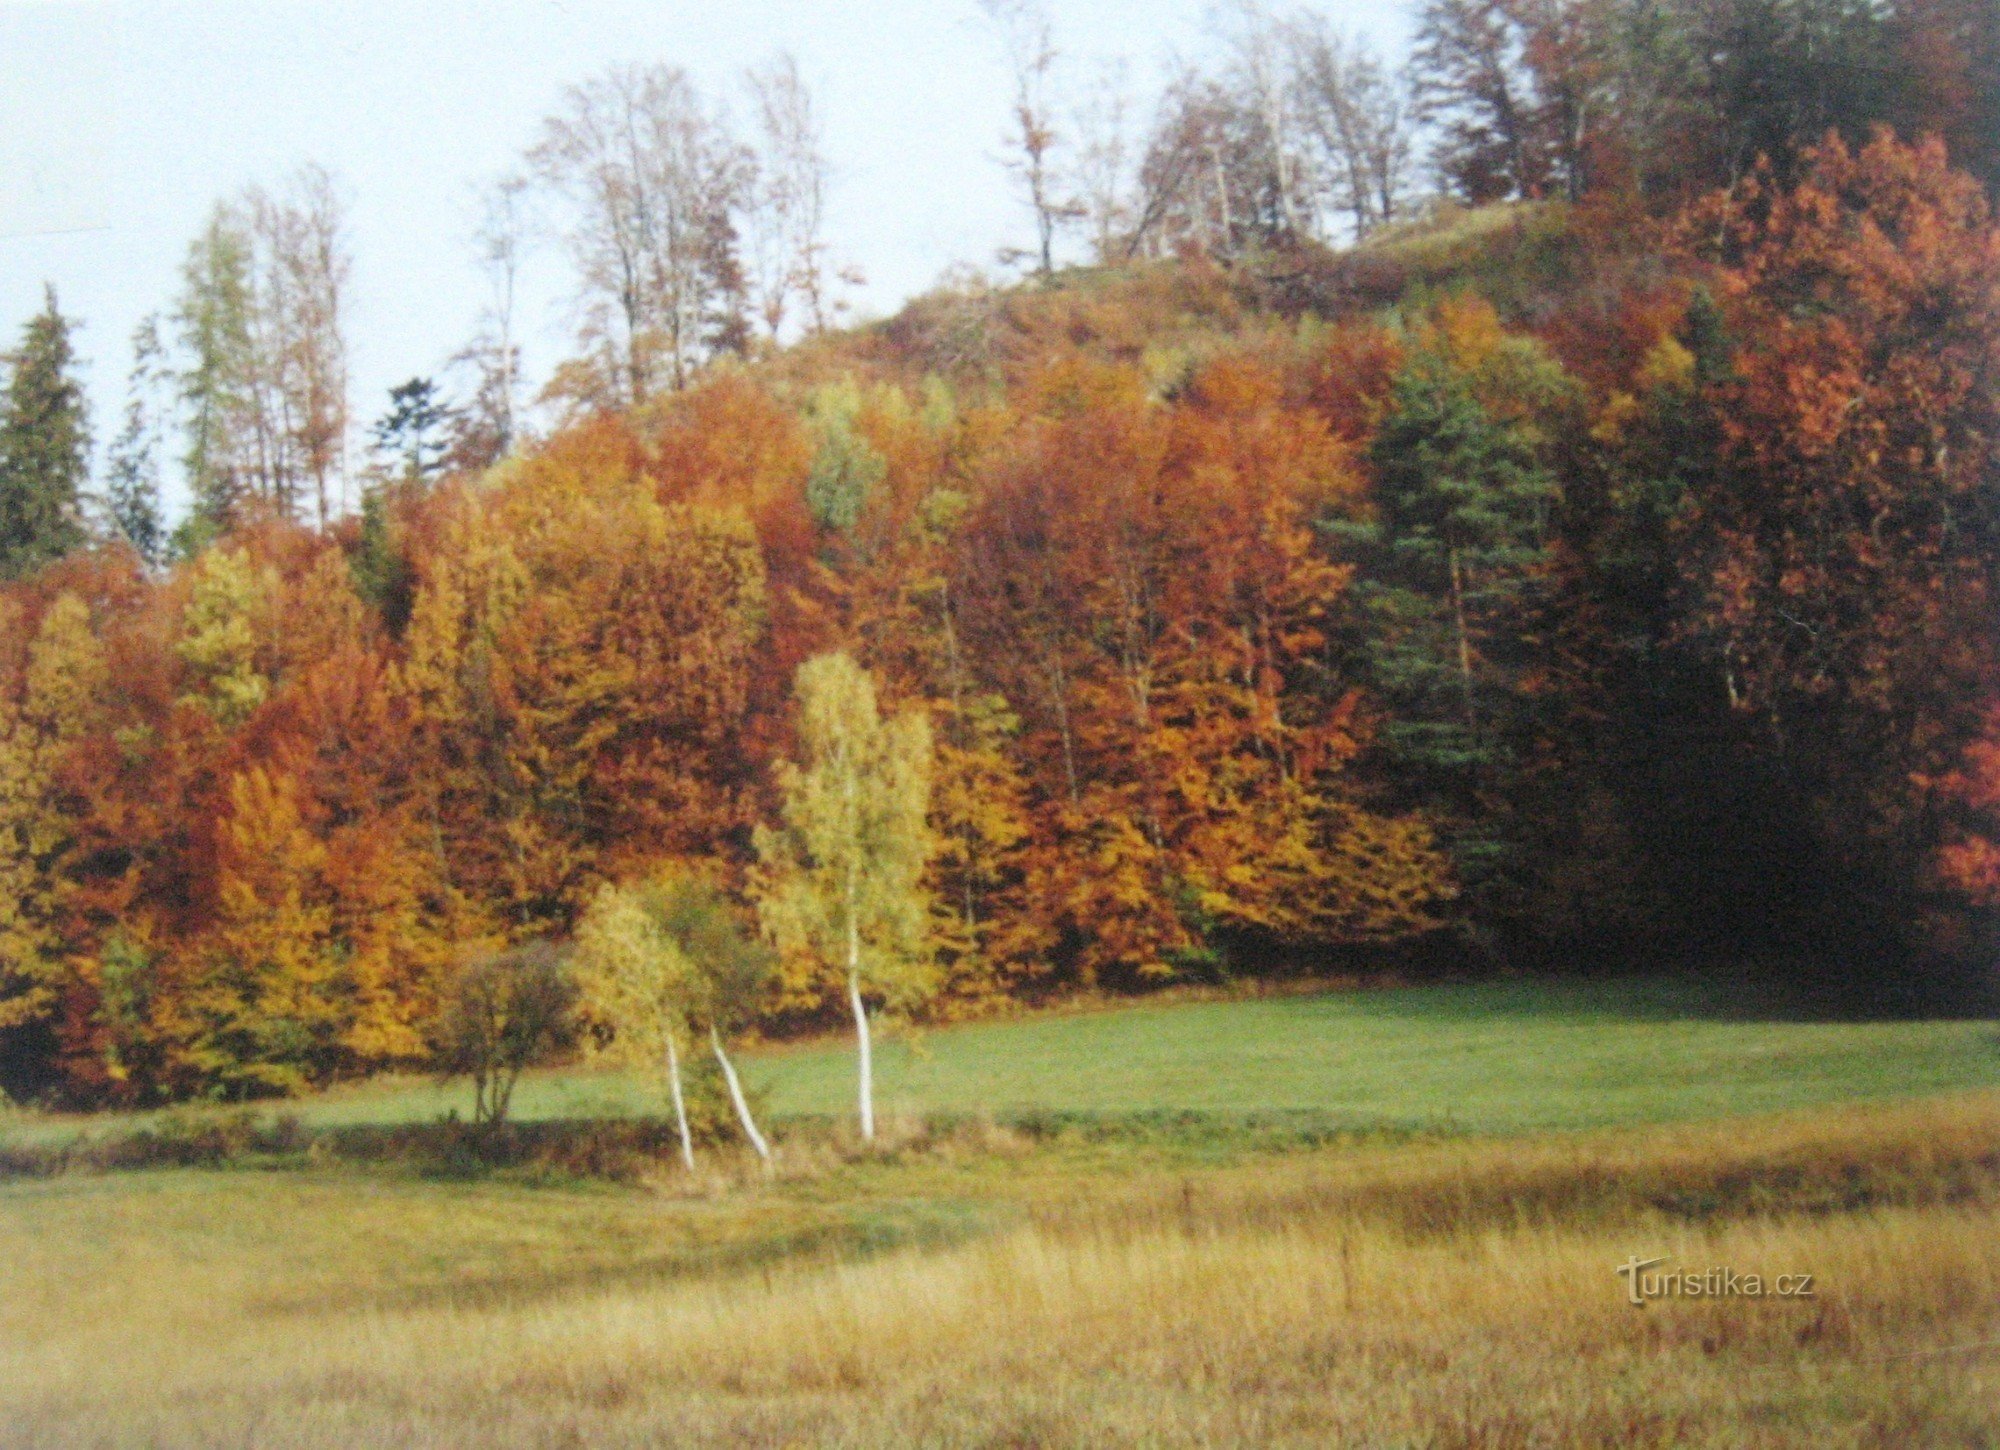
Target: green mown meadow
1483,1058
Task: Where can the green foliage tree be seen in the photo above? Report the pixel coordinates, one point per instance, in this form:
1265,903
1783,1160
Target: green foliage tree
44,446
380,564
662,960
1463,501
501,1013
845,470
132,473
412,433
1452,559
640,988
843,874
213,318
732,970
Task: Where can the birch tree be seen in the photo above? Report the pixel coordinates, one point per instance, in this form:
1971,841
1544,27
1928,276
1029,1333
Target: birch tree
1355,111
662,962
733,969
1260,81
639,984
843,874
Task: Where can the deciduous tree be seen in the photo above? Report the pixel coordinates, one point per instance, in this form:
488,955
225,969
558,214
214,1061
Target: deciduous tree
843,873
501,1013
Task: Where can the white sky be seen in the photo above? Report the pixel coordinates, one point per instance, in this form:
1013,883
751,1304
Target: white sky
122,123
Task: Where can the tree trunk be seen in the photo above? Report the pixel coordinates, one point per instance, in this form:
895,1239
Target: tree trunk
680,1103
736,1097
867,1087
1464,641
861,1036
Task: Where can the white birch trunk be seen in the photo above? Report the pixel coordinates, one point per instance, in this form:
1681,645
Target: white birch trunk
680,1103
867,1066
867,1086
736,1097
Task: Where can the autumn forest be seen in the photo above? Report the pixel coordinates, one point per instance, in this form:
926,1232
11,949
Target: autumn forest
1525,506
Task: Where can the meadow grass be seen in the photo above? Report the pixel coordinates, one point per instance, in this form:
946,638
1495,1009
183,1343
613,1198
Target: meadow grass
1336,1219
1438,1292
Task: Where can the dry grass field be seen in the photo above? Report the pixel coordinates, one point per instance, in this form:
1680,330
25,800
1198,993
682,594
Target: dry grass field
976,1287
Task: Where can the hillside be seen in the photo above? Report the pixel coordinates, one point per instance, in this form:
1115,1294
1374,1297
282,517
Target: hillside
1445,601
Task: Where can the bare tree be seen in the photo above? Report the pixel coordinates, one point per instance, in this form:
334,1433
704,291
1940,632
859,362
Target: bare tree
788,216
485,427
1357,115
1205,181
1257,41
304,266
1105,163
655,185
1031,54
261,324
1168,169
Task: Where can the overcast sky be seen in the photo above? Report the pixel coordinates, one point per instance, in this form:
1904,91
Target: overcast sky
122,123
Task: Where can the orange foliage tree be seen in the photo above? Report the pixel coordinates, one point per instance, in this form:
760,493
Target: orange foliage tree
1846,556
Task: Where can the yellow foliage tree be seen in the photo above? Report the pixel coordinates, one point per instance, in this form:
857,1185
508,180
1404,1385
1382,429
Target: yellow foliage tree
659,961
218,643
266,1011
842,876
58,699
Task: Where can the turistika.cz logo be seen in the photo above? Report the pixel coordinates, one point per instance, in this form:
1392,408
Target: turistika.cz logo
1721,1282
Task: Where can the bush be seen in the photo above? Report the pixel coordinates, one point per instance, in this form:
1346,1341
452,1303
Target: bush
501,1014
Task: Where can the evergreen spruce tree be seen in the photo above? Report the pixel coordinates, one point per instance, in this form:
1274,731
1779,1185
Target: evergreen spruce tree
1452,561
1462,499
132,474
44,447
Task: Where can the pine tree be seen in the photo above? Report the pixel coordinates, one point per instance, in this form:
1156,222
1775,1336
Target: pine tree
412,432
44,447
